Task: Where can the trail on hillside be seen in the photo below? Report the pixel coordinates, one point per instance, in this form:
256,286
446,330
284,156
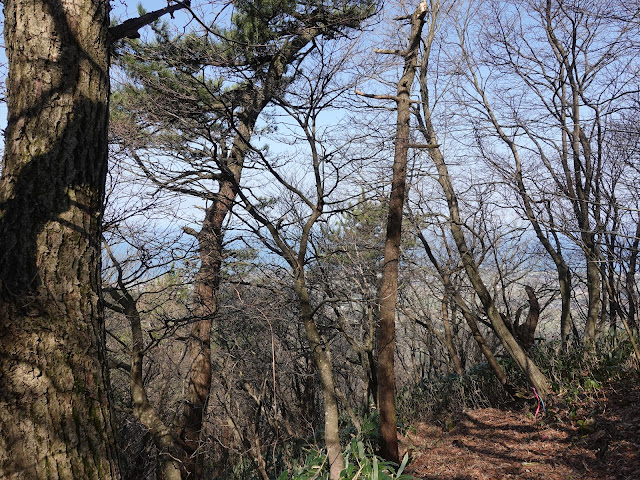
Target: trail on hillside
597,439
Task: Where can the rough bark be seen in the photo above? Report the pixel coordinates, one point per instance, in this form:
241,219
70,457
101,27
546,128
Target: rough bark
55,418
206,288
388,293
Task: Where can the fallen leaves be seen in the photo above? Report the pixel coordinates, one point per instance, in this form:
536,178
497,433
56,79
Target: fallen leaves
492,444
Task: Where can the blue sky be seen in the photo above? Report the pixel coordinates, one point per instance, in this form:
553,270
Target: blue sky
121,9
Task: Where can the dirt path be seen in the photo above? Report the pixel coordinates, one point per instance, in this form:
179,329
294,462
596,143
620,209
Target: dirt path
594,440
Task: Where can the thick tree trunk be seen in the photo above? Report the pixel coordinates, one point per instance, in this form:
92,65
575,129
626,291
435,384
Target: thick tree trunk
55,420
206,287
386,338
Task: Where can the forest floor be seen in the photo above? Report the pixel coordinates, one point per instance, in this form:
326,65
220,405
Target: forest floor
594,438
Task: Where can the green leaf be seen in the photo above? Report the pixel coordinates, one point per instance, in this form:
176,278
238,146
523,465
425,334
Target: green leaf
375,468
405,460
284,475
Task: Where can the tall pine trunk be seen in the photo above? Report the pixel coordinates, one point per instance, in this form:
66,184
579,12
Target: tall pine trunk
55,420
206,289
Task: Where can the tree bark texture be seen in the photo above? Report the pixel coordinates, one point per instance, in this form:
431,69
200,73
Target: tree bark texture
388,295
55,418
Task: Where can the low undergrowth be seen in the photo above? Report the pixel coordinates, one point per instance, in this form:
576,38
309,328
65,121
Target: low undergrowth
575,375
577,378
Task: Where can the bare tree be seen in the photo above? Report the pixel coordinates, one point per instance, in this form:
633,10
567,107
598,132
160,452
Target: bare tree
288,230
560,58
457,225
388,293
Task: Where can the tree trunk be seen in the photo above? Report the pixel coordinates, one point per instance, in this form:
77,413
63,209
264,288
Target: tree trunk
210,239
593,290
566,323
470,319
389,285
630,279
526,365
55,418
144,411
530,370
449,339
325,373
526,331
206,288
125,304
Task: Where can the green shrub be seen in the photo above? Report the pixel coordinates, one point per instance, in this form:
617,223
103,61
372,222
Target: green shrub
359,464
360,461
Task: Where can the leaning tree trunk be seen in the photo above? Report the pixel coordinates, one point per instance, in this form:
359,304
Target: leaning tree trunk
210,240
322,363
55,420
470,319
206,288
515,351
536,378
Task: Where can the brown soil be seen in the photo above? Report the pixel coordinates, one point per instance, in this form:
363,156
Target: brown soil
595,438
